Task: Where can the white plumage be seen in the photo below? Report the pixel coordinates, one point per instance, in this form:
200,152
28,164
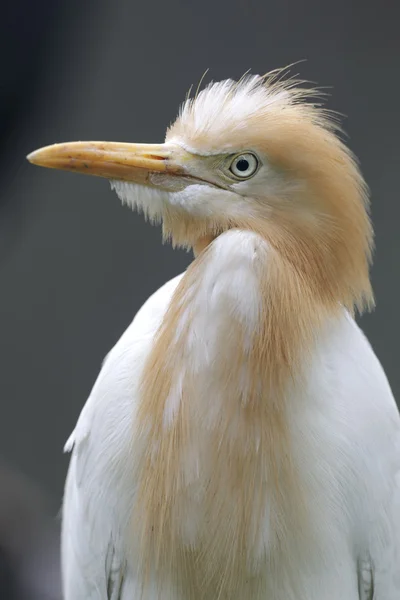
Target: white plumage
241,440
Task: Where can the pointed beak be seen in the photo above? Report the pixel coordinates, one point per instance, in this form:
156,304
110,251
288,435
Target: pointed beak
113,160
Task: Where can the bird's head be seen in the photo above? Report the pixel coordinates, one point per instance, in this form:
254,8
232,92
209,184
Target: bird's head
256,154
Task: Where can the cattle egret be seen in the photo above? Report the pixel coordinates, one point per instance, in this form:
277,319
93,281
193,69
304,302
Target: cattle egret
241,441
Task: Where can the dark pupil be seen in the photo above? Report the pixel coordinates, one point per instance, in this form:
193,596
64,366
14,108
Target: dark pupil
242,164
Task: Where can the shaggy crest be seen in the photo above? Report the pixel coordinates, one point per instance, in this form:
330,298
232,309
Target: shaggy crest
234,103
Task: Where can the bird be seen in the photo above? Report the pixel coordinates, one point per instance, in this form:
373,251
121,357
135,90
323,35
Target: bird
242,439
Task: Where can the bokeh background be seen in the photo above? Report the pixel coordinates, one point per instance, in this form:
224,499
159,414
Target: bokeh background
75,266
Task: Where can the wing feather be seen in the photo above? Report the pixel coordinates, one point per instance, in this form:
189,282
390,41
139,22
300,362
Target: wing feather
99,487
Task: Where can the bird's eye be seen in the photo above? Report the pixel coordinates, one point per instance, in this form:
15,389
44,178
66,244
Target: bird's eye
244,165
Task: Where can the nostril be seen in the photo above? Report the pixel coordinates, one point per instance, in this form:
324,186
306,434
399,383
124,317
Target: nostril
155,156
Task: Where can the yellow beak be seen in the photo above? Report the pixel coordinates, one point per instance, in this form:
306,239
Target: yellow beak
113,160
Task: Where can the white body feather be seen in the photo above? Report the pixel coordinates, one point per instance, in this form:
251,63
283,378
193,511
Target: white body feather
345,431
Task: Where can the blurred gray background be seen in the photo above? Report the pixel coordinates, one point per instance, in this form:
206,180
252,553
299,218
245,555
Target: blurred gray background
74,265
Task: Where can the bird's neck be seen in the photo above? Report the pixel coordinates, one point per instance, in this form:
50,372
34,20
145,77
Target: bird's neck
219,436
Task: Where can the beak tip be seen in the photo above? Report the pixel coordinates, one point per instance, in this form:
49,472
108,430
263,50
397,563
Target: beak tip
32,157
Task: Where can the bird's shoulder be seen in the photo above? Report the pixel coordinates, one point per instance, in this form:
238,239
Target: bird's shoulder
122,365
